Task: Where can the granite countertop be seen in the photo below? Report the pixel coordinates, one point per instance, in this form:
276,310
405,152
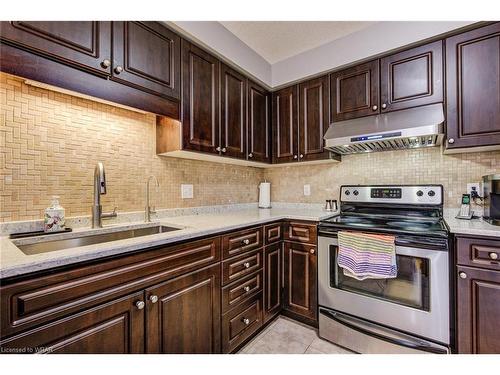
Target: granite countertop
13,262
473,227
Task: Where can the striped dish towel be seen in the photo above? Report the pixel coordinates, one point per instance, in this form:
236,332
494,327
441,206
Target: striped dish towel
367,255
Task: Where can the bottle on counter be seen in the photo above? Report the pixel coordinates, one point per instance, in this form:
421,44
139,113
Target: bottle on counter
54,220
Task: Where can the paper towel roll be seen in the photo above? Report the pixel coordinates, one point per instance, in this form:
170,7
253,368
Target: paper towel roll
265,195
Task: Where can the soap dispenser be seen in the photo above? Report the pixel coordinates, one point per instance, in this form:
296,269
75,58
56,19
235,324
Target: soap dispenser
54,217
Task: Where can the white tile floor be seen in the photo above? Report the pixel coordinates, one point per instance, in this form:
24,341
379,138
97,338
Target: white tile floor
286,336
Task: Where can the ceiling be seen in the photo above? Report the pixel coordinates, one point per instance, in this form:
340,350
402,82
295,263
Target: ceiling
278,40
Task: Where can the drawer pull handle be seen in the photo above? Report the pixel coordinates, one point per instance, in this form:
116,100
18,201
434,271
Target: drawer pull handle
246,289
140,305
312,251
246,241
153,298
493,256
246,265
462,275
246,321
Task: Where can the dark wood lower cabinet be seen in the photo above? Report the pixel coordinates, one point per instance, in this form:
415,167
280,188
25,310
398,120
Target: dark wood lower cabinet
115,327
186,315
272,293
300,280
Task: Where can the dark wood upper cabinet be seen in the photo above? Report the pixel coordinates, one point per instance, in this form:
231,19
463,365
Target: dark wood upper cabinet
200,99
233,112
185,317
285,125
473,88
84,44
146,55
354,92
259,110
313,118
412,78
300,276
478,309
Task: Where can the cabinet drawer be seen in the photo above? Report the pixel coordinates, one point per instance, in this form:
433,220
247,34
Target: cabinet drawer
241,323
273,233
240,291
241,242
45,298
478,252
241,266
300,232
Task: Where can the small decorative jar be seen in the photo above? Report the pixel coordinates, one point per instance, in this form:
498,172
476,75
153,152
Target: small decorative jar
54,217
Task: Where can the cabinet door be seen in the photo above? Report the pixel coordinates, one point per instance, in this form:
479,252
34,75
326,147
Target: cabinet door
473,88
259,101
478,309
285,125
313,118
85,44
200,99
183,314
412,78
272,280
300,271
146,55
354,92
233,113
116,327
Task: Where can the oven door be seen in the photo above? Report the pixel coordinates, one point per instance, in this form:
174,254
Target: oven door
416,301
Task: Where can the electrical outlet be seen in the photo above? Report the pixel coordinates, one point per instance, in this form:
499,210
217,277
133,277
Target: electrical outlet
307,190
186,191
474,187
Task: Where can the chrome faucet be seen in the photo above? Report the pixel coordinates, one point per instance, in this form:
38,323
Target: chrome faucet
148,211
99,189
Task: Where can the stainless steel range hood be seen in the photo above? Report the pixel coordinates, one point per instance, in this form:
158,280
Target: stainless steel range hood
409,128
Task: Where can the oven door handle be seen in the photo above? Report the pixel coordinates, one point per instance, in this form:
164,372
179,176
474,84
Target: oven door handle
392,340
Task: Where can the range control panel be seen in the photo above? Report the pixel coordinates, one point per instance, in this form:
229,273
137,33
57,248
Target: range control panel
416,194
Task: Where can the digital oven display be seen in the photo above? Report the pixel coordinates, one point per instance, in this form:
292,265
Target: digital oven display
386,193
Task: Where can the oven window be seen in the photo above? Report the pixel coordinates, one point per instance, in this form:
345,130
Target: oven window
409,288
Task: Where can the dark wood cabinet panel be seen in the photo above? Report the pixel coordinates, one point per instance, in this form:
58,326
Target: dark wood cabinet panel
237,267
186,316
259,114
84,44
200,99
473,88
233,112
272,280
412,78
300,276
241,290
478,309
285,125
300,232
478,252
354,92
241,242
273,233
116,327
146,55
313,118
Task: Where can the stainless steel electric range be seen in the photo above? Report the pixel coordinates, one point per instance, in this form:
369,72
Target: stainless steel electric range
406,314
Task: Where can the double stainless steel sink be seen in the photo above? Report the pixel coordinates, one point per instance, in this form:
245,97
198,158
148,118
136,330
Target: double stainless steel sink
86,239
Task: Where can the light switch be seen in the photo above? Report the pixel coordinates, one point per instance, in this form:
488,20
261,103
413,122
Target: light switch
307,190
186,191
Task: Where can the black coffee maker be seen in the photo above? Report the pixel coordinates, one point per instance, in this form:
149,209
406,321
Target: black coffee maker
491,194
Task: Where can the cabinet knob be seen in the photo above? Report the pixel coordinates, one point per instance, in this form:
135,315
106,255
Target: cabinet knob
140,305
246,321
451,141
374,108
462,275
295,156
217,149
246,265
153,298
493,256
384,105
246,241
118,69
312,251
246,289
301,156
105,63
224,149
250,155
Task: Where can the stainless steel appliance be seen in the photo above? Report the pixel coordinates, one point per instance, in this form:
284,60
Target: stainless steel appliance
409,128
406,314
491,198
